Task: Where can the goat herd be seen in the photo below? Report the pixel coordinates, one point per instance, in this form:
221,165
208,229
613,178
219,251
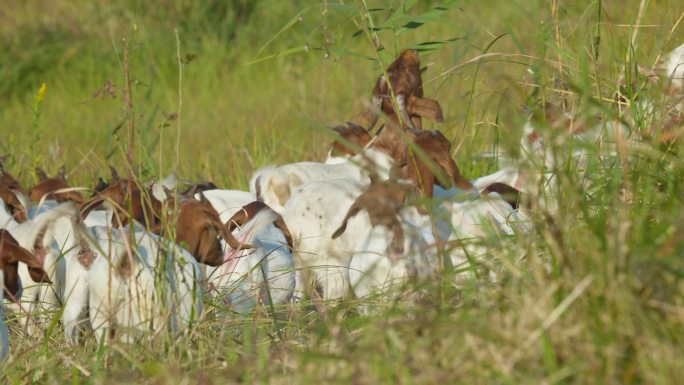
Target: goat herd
381,211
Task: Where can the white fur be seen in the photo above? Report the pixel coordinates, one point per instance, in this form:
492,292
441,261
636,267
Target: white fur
277,185
313,214
674,66
227,202
61,263
125,304
374,271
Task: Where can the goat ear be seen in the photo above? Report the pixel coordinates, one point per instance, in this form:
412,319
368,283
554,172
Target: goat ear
17,210
280,224
507,193
41,174
353,210
11,252
62,173
113,172
427,178
101,185
449,166
237,220
426,108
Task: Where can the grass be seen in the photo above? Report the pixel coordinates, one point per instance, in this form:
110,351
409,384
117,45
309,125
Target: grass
596,296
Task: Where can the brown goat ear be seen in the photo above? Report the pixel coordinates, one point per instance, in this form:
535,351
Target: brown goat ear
17,210
12,253
353,210
62,173
245,213
114,174
280,224
426,108
42,176
507,193
454,173
237,220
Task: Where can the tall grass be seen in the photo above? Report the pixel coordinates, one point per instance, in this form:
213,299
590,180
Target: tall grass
596,296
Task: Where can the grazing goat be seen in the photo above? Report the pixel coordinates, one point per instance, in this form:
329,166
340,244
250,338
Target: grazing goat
11,253
264,274
140,283
398,242
316,209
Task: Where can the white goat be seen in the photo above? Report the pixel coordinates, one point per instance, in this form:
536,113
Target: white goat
263,274
314,212
274,186
144,283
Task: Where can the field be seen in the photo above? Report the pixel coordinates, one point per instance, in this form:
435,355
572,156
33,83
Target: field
221,88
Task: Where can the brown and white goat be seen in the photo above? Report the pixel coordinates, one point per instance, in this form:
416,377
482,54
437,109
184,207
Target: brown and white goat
316,210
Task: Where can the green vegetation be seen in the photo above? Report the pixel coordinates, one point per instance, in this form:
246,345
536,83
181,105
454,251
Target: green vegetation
597,296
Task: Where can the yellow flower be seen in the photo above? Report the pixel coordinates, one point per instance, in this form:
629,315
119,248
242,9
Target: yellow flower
41,93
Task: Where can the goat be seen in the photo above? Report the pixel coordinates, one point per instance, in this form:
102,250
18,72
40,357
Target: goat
11,253
49,235
264,274
395,244
315,210
140,282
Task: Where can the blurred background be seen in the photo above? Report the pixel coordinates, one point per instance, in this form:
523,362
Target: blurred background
262,79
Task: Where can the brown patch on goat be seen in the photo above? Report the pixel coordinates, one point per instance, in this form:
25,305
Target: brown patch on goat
11,253
355,138
16,209
382,201
248,211
48,187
